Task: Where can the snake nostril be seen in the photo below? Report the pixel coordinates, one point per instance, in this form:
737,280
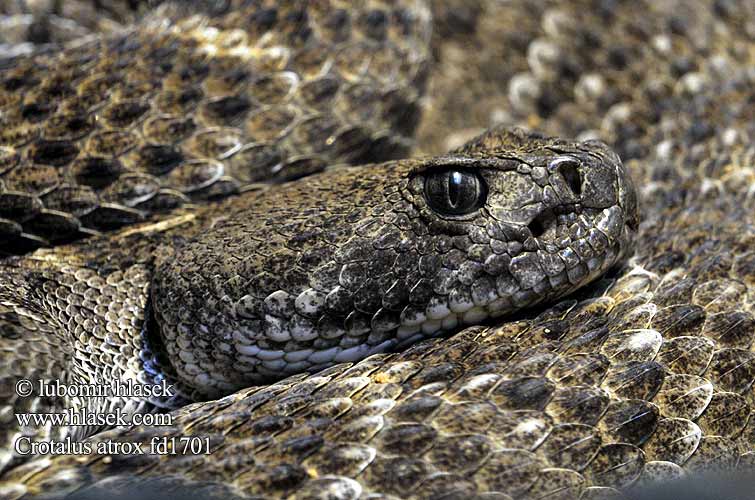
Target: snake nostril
569,170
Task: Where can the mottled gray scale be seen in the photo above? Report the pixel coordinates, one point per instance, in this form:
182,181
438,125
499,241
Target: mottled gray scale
726,415
584,405
675,440
571,446
635,380
617,465
732,369
629,421
684,396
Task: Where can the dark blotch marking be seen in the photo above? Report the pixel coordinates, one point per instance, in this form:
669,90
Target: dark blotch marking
159,159
55,153
96,172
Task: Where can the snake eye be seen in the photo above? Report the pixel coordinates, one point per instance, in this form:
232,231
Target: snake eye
455,192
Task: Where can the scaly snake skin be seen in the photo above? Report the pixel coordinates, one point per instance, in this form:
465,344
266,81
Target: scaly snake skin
133,139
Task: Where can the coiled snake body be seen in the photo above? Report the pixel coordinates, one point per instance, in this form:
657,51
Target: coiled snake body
139,158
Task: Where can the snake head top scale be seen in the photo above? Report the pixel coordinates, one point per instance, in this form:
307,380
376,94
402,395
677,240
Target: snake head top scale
357,261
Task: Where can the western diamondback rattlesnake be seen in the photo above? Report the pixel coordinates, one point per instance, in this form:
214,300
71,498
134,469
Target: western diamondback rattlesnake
647,374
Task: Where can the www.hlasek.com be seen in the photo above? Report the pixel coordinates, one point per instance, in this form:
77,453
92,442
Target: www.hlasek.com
82,416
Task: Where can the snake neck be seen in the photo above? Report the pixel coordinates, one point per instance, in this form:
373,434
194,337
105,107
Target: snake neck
94,324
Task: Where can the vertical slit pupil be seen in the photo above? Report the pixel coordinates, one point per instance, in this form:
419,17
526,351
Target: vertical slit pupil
454,192
455,181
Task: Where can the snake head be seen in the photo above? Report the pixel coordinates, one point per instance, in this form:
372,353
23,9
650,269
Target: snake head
537,217
358,261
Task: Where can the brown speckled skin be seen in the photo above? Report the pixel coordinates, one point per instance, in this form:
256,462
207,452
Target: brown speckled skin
144,121
648,374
